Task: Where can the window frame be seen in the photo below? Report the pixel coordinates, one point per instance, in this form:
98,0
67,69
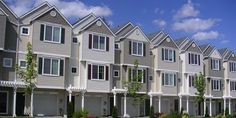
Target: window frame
7,103
117,45
104,74
168,51
217,87
193,60
75,70
213,64
7,66
53,26
20,60
99,38
43,58
173,79
138,69
76,40
192,83
114,71
233,68
137,45
21,30
234,87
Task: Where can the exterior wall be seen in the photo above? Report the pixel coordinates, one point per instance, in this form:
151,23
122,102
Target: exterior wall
3,20
7,73
11,36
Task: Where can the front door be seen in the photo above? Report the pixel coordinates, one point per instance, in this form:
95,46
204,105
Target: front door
111,104
147,107
20,103
176,105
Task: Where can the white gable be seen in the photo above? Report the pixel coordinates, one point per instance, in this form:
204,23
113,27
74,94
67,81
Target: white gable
137,34
215,54
83,23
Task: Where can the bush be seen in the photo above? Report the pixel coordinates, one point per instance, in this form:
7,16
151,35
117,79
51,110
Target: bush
70,110
151,114
185,115
114,112
173,115
80,114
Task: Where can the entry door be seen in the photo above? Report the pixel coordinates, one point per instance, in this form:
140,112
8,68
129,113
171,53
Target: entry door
147,107
20,104
176,107
111,104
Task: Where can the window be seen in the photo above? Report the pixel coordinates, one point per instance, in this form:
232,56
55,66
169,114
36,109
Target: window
24,30
22,64
216,85
7,62
98,42
116,73
52,34
98,72
138,75
233,85
137,48
169,55
74,40
3,102
215,64
117,46
169,79
194,59
191,80
74,70
232,66
51,66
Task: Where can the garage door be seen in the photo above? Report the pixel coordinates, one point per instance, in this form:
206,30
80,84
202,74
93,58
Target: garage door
93,105
45,104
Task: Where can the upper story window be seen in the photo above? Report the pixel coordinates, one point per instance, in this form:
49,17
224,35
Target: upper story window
22,64
191,80
52,34
73,70
232,66
137,48
116,73
24,30
168,55
138,74
74,40
51,66
215,64
98,72
117,46
168,79
194,59
216,85
7,62
98,42
233,85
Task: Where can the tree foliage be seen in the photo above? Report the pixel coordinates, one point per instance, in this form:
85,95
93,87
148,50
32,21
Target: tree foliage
200,85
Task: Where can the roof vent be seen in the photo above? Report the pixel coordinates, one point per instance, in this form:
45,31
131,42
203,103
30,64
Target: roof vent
137,32
232,55
193,45
168,39
98,23
53,13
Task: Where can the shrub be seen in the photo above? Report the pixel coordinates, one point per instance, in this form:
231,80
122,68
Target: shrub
80,114
219,116
70,110
151,114
173,115
114,112
185,115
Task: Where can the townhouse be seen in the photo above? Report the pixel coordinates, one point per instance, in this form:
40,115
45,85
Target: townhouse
88,62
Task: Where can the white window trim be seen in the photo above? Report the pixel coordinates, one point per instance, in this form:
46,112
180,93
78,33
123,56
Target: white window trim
118,46
73,41
214,60
20,60
137,48
234,63
76,70
194,59
7,101
105,42
45,25
142,81
231,85
168,54
117,72
172,78
219,85
192,81
104,74
4,64
50,66
21,31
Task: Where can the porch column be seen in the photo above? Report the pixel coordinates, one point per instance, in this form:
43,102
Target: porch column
14,103
187,104
224,105
229,106
31,103
125,114
180,103
210,108
114,104
70,92
204,106
159,104
82,100
150,100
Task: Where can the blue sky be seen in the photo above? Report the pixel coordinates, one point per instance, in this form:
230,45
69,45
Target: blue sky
207,21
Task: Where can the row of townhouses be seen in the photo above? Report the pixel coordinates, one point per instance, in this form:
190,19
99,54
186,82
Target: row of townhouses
87,63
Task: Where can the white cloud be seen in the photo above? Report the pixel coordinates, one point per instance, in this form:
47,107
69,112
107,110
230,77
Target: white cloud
224,41
70,9
206,35
159,11
160,23
194,24
187,10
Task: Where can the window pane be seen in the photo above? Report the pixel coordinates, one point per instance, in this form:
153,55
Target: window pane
171,78
95,72
196,59
140,77
134,47
55,67
166,79
25,30
170,55
95,41
47,65
101,72
56,34
102,43
48,34
166,54
140,48
192,58
22,63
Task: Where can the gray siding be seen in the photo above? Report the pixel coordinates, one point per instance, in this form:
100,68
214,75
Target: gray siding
210,72
194,49
3,21
11,36
99,29
117,56
5,72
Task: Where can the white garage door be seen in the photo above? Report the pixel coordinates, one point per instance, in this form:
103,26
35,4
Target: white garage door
45,104
93,105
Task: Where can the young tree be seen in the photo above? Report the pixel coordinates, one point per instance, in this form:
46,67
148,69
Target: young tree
200,85
29,74
134,84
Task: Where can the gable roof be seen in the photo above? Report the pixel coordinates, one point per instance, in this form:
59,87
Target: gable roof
226,53
99,18
207,50
34,9
184,47
180,41
203,47
151,36
53,7
119,28
2,11
13,17
83,18
163,39
222,51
